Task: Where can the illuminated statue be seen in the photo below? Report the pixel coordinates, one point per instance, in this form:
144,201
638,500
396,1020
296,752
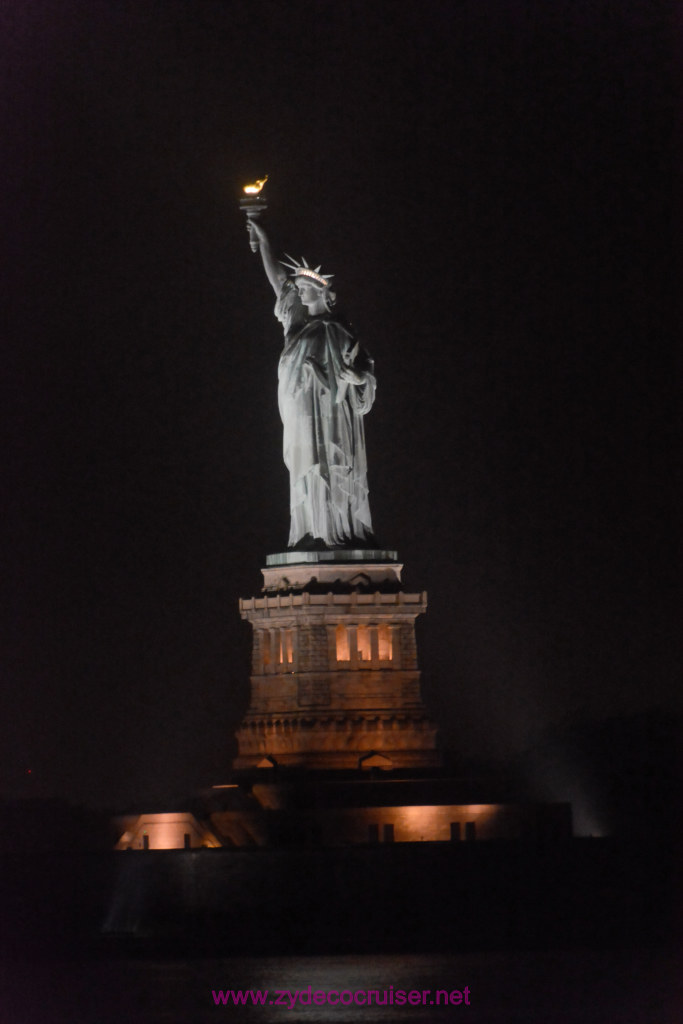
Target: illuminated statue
326,386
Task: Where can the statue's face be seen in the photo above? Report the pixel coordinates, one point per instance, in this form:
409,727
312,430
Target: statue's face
310,295
307,291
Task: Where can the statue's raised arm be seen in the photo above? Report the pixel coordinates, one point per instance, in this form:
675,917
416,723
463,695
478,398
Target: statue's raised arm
326,386
273,268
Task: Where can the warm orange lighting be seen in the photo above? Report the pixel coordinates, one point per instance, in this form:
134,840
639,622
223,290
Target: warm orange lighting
364,647
421,817
384,639
342,638
365,639
287,656
166,832
277,647
255,187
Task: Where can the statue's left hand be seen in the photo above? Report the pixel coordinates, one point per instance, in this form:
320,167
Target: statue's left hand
351,376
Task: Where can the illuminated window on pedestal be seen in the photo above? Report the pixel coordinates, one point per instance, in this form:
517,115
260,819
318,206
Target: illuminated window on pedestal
384,642
277,648
372,645
364,647
342,637
286,648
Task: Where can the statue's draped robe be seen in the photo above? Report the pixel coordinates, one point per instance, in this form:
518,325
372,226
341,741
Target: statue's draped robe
322,416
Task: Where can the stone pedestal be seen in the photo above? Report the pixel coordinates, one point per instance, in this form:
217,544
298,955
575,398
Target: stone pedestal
335,680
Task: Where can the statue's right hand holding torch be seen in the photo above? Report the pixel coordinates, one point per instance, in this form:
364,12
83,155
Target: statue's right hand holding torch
257,235
253,204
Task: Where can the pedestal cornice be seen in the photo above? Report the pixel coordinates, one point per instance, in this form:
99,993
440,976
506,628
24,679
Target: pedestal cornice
333,607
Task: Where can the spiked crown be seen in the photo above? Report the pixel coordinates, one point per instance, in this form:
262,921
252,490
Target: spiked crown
303,270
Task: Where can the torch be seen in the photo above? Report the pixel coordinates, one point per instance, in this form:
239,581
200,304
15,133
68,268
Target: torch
253,204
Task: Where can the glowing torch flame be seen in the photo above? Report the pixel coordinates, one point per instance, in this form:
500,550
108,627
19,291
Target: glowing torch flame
253,190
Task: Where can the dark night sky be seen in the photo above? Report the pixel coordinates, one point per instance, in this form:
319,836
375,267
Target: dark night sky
492,184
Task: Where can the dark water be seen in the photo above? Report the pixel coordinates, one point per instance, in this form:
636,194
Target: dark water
553,987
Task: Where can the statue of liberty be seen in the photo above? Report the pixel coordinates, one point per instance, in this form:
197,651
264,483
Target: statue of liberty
326,386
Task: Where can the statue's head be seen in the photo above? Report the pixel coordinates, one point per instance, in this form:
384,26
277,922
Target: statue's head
313,287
